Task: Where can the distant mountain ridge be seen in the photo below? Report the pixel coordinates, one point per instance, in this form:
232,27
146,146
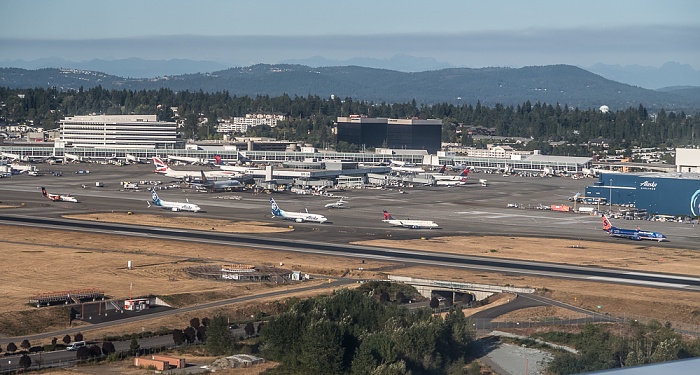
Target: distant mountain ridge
132,67
552,84
668,75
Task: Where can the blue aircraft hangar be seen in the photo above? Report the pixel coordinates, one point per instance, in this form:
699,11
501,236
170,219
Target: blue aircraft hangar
659,193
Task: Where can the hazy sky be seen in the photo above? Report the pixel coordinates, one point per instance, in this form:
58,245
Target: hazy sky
460,32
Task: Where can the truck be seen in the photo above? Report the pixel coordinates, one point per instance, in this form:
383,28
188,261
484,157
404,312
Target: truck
99,184
130,185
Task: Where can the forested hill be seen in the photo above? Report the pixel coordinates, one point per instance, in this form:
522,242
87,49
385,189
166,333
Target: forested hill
552,84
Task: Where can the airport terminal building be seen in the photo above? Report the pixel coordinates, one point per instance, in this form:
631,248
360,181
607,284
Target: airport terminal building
659,193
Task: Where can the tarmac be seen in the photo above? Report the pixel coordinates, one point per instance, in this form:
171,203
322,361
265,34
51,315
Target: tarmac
461,210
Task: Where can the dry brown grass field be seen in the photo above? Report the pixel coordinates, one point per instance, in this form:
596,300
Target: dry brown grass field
61,260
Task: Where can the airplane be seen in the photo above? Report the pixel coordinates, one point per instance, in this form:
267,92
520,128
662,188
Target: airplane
403,167
134,159
458,167
339,204
58,197
218,185
408,223
299,217
188,160
164,169
173,206
633,234
460,179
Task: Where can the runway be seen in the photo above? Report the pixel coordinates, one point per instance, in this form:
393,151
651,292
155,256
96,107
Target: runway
368,252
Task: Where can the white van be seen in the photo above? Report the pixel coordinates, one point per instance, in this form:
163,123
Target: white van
75,345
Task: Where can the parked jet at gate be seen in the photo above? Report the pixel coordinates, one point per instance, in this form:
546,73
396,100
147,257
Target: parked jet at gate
408,223
403,167
173,206
460,179
299,217
218,185
633,234
164,169
58,197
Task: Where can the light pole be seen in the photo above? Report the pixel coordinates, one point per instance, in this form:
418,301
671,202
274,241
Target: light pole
610,196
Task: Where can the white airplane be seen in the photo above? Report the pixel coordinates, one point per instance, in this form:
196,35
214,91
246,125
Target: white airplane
58,197
339,204
403,167
173,206
135,159
217,185
187,159
413,224
163,168
460,179
299,217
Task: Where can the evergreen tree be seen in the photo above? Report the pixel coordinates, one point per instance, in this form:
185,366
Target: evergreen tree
218,336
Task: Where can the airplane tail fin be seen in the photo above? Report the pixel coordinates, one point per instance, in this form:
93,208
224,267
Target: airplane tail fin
43,192
607,226
387,216
154,197
465,172
274,208
442,170
218,159
160,165
204,178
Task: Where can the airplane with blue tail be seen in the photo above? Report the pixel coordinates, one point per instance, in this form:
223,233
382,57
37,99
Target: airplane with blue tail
299,217
633,234
173,206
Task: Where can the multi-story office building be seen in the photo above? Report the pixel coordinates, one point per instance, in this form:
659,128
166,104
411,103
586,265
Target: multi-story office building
118,131
242,124
391,133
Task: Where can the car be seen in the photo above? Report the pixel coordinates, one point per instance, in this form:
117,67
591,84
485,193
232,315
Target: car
75,345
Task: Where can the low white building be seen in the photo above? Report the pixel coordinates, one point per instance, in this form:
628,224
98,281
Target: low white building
688,160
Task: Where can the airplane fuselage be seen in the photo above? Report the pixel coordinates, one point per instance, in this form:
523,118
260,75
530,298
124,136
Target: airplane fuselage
636,234
413,224
299,217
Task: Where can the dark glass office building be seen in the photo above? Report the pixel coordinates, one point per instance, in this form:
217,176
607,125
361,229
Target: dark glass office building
412,134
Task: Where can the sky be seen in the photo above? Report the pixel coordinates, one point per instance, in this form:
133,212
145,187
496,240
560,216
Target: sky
458,32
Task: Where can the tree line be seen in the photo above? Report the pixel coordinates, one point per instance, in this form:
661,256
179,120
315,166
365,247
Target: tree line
310,118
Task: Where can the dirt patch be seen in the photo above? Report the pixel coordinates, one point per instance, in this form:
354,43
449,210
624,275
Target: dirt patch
540,314
194,223
64,260
642,257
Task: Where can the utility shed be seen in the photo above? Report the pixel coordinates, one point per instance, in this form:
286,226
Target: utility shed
675,194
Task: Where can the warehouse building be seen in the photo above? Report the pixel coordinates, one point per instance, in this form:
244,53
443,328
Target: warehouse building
659,193
688,160
371,132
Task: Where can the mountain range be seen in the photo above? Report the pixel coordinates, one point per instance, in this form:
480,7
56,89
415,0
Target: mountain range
564,84
670,74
